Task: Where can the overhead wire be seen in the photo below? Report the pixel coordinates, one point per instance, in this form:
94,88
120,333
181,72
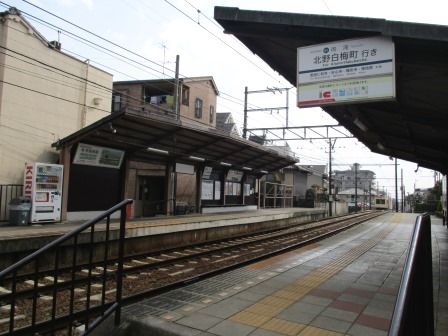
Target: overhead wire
52,96
102,38
81,79
92,33
61,73
92,44
220,97
202,13
96,46
137,105
221,40
113,43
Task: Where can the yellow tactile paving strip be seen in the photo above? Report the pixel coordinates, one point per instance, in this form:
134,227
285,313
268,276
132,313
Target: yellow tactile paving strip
313,331
284,327
263,313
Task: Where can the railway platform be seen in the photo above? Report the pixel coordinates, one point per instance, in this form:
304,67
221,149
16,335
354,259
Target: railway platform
157,232
343,285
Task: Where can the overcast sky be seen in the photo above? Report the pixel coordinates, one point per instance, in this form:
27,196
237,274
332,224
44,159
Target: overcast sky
157,31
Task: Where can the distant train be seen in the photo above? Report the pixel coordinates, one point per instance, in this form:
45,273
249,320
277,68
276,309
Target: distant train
381,203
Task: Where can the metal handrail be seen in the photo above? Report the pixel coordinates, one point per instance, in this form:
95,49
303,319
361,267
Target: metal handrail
54,250
413,313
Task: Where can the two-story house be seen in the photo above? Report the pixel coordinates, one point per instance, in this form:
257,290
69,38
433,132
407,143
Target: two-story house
197,99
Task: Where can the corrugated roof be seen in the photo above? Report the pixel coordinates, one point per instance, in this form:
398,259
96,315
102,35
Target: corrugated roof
170,140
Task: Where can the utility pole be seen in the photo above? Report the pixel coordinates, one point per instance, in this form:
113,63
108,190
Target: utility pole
330,201
245,114
402,192
176,90
396,186
356,187
287,114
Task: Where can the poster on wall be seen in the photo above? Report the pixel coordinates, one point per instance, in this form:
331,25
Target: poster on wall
98,156
247,190
217,190
207,190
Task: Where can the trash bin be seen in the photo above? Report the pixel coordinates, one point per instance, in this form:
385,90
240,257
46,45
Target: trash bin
19,211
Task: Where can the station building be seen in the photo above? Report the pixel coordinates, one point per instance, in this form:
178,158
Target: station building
55,108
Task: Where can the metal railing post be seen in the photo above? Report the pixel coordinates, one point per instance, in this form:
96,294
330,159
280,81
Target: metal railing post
120,265
57,317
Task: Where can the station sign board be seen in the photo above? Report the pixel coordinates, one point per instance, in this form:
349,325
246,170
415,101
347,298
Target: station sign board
348,71
98,156
234,175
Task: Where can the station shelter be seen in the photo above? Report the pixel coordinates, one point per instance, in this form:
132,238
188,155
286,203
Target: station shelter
411,124
165,166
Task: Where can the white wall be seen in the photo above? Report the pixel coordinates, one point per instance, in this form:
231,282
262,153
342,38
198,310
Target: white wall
340,208
44,97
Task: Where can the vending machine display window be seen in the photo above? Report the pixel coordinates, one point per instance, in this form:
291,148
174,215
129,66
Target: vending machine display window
42,197
43,185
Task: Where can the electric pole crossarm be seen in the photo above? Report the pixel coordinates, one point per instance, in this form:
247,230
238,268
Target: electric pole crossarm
336,129
278,136
267,109
298,127
306,132
308,138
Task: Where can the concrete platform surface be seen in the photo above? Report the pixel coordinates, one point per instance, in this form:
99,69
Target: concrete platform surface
159,224
343,285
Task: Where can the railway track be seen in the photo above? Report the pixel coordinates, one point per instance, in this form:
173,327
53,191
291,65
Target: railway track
150,274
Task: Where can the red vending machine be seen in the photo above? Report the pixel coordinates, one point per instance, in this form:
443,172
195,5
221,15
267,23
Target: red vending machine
43,185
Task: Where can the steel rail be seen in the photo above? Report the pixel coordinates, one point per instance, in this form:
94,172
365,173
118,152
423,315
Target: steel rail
127,258
355,219
163,289
24,293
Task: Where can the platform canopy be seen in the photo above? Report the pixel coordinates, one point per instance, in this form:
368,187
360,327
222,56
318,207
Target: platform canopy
153,138
414,126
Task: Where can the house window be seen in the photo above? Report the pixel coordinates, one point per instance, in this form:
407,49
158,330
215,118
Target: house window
198,108
116,102
212,114
185,95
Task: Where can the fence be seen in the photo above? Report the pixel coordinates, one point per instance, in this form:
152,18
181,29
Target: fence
275,195
7,193
413,313
55,288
